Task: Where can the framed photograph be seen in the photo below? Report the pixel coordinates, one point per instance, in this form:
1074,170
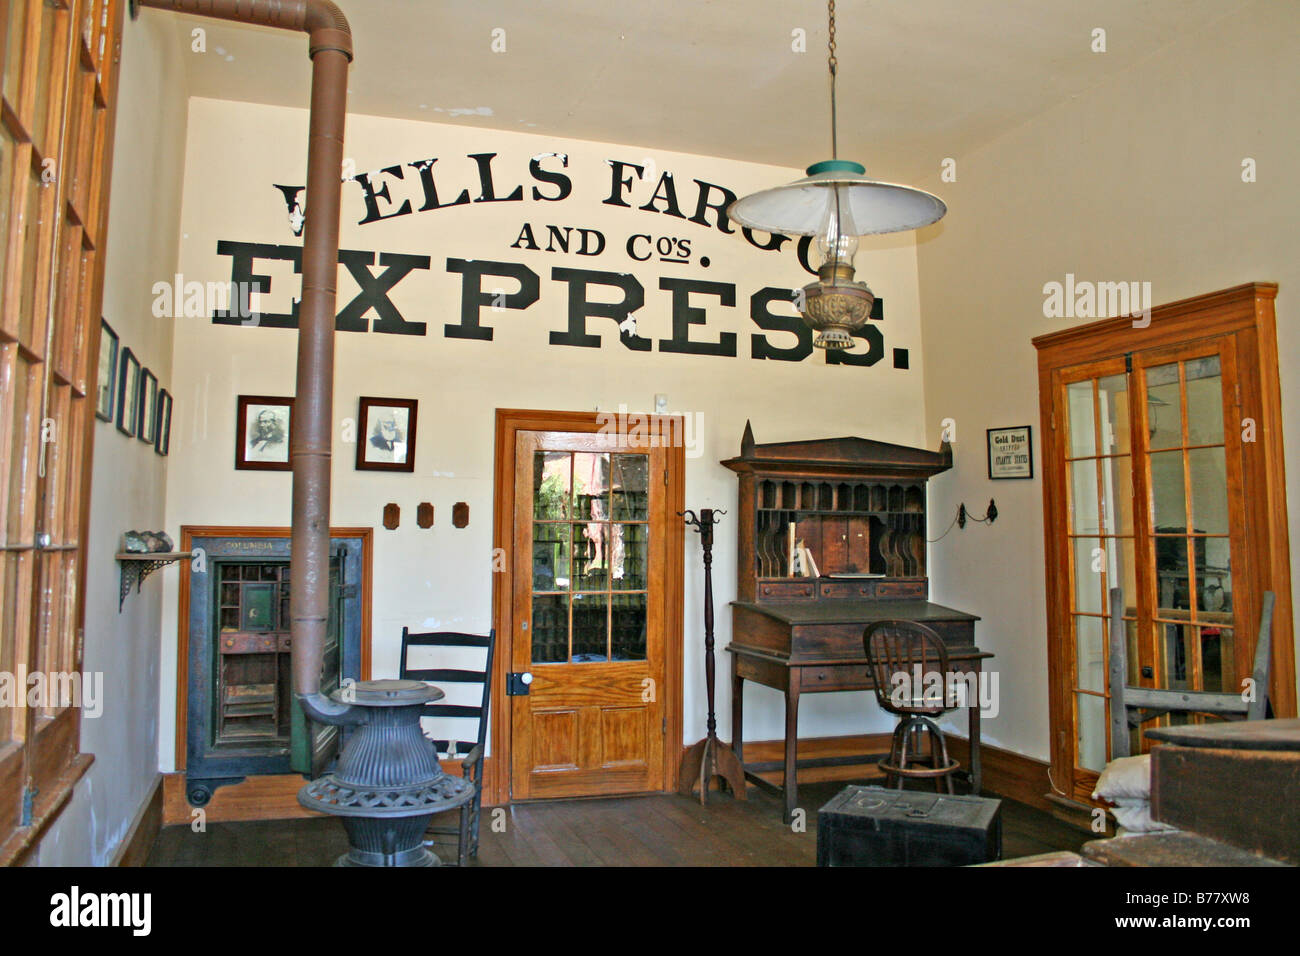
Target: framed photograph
262,433
107,372
1011,452
147,426
386,434
163,442
128,393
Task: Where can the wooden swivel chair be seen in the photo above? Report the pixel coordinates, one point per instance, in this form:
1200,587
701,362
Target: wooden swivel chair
899,648
450,747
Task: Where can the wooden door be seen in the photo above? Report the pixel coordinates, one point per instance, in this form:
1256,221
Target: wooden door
588,601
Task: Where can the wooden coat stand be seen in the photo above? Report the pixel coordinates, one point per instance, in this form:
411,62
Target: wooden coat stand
710,757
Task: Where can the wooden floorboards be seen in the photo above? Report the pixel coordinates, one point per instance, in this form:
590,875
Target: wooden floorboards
656,830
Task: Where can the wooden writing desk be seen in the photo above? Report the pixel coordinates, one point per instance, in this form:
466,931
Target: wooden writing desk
815,647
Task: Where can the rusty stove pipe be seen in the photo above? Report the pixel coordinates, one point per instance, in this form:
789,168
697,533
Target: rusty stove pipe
330,49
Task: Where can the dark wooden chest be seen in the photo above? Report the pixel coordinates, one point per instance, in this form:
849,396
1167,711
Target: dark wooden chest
873,826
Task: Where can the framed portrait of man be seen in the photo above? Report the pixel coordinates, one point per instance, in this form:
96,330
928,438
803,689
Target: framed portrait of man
262,433
386,434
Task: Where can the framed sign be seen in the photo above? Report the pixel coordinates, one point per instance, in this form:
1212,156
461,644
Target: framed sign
128,393
262,433
147,424
386,434
163,442
1011,452
107,375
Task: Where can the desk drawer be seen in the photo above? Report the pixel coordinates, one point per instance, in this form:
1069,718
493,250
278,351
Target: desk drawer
787,590
836,677
874,589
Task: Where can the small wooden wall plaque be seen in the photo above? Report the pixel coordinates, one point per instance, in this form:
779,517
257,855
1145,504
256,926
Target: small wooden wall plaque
460,514
424,515
392,516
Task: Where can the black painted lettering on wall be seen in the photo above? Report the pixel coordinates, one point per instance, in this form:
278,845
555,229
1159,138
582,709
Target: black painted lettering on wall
241,271
618,183
766,319
665,192
563,183
580,308
870,334
685,315
425,168
487,189
702,206
374,292
473,298
774,240
371,196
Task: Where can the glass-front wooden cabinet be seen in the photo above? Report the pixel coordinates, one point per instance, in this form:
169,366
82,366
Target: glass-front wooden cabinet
1163,478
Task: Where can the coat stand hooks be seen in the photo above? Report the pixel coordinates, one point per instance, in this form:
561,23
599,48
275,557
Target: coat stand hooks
710,757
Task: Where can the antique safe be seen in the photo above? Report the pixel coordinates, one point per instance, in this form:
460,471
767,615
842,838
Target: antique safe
241,716
873,826
832,536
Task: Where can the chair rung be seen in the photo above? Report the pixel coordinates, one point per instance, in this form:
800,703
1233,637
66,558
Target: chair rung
451,710
444,675
446,639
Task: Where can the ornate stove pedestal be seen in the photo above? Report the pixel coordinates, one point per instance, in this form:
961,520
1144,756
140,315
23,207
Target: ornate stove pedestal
388,782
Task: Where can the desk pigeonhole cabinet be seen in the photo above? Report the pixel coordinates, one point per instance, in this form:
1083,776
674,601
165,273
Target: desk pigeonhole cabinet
873,826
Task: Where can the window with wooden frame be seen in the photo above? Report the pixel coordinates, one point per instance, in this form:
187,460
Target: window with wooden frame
59,72
1163,476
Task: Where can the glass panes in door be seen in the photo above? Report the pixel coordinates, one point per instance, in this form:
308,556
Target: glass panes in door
1187,468
590,534
1101,535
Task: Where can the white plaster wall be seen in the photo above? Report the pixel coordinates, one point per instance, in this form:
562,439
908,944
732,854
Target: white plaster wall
442,577
128,483
1137,179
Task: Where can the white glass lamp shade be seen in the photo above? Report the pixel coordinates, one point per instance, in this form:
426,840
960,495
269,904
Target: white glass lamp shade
866,206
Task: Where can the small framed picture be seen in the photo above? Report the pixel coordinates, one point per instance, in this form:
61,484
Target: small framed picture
1011,452
147,426
386,434
262,433
163,442
107,372
128,393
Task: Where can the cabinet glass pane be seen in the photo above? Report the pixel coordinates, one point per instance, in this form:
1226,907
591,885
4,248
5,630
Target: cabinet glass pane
1209,480
590,628
1164,407
631,484
1117,491
1216,660
1171,574
1112,397
1083,496
552,475
1214,577
1091,715
550,628
1082,425
1176,655
628,623
1089,656
1168,491
1204,401
1089,559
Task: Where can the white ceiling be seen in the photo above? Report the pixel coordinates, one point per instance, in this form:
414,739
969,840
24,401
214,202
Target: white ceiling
919,80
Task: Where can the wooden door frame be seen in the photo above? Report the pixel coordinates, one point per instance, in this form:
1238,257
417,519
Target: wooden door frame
1246,314
509,422
188,534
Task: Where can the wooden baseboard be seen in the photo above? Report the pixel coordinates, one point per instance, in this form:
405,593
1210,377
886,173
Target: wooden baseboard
135,849
1006,773
268,797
